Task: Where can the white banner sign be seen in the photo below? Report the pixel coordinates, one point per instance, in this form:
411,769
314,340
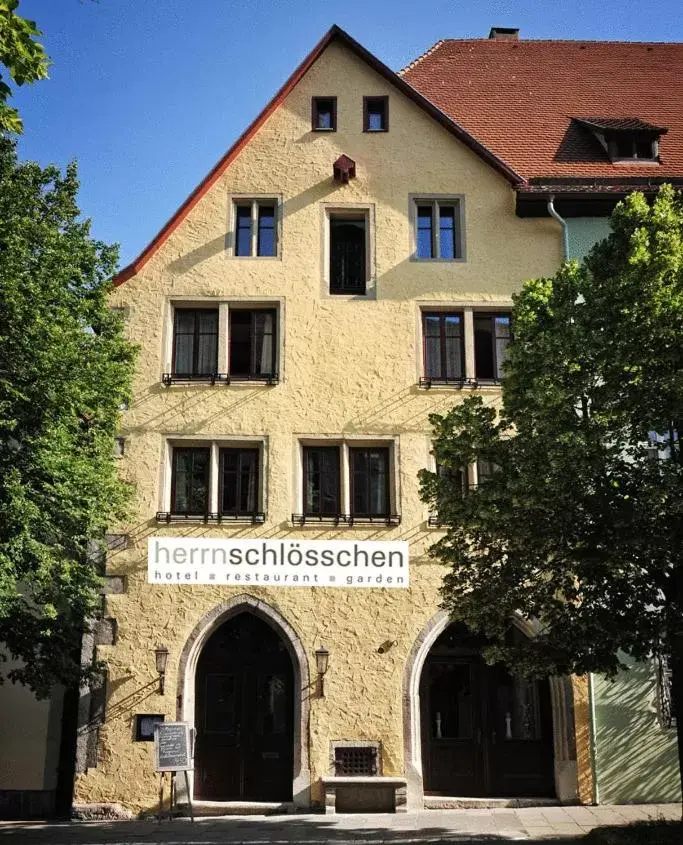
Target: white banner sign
277,563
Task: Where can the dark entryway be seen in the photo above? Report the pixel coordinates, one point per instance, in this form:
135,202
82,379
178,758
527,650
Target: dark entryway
244,702
485,733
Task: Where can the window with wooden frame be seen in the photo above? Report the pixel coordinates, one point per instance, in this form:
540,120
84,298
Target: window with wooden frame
190,481
195,342
252,343
348,235
438,229
255,229
324,114
347,483
443,345
491,338
215,481
239,481
322,481
375,114
230,341
369,469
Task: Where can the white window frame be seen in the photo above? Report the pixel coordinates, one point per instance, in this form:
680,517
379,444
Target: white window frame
436,200
224,306
366,210
468,310
255,200
345,444
215,444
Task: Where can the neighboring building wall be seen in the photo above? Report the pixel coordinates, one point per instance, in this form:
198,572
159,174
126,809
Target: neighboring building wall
584,232
349,368
636,759
30,735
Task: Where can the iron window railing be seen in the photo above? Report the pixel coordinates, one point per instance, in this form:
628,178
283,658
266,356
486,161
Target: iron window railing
256,517
219,378
345,519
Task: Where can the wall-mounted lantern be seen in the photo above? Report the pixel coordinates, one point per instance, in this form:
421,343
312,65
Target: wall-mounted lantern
322,659
161,655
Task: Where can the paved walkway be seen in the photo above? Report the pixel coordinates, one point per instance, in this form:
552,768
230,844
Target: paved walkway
433,826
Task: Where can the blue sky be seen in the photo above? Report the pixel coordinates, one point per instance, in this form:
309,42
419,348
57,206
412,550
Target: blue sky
148,94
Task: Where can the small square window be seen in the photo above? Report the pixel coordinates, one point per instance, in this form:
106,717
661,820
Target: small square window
324,114
255,232
375,114
438,229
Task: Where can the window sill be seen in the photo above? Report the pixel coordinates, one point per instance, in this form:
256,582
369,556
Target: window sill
428,382
234,257
345,520
322,129
220,378
256,518
419,260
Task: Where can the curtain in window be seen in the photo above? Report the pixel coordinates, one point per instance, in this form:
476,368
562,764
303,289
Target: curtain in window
183,352
263,333
321,466
239,494
190,492
370,479
502,332
207,342
453,346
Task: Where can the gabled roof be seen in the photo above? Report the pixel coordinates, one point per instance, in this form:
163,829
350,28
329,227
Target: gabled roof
334,34
520,99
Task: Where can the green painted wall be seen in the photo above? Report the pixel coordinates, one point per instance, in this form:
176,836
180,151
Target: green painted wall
584,232
635,757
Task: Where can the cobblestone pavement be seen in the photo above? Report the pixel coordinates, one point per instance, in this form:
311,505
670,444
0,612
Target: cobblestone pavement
534,824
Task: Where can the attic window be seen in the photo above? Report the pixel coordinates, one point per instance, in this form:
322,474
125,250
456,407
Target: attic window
625,138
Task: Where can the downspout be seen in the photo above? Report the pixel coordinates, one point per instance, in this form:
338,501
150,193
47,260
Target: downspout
563,223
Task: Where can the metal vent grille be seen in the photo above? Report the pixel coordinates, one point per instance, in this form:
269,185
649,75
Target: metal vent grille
355,761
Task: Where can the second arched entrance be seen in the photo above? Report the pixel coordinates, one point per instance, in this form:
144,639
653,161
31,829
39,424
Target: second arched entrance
244,714
484,733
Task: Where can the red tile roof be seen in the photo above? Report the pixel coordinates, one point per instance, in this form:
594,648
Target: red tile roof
519,98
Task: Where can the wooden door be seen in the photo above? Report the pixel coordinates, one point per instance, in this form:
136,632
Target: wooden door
244,695
484,732
452,729
520,739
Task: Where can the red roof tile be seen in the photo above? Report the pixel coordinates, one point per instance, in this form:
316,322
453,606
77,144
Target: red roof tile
520,98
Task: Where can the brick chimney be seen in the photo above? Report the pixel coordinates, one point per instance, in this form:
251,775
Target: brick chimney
504,33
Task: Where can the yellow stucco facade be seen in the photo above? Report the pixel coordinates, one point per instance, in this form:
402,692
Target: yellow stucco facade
348,372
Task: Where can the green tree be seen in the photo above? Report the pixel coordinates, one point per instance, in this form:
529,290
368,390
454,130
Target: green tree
581,525
65,370
22,56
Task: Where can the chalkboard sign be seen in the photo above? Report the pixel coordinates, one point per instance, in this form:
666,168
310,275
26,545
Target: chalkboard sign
172,747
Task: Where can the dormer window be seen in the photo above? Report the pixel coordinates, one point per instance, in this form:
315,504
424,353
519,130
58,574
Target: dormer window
631,147
625,139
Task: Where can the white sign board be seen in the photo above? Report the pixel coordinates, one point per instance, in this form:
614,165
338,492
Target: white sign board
277,563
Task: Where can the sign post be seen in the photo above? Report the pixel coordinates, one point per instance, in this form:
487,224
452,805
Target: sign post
173,753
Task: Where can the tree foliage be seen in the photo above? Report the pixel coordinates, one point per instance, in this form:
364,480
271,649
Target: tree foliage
22,56
580,528
65,370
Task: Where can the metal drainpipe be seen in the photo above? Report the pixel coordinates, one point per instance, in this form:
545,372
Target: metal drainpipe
562,222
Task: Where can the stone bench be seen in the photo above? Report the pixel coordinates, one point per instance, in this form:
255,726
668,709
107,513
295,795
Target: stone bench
364,794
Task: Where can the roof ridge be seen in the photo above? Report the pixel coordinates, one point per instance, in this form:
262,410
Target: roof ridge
545,41
424,55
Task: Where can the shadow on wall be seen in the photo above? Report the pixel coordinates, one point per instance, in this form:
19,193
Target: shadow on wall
636,758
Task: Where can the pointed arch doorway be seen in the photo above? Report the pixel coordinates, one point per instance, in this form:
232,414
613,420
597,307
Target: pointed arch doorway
244,713
484,733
